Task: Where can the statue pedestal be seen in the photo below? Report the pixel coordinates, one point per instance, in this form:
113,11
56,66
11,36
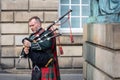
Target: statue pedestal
105,19
101,51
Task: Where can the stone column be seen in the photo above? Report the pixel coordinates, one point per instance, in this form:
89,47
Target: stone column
0,35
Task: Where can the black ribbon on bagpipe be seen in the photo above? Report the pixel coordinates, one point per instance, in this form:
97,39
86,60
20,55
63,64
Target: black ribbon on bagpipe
44,37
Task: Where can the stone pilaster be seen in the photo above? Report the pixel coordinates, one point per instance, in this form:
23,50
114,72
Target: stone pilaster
101,51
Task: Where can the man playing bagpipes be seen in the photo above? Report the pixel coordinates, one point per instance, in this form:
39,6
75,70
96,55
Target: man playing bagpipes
40,47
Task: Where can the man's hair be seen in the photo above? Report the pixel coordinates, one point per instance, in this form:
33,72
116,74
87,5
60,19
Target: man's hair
36,18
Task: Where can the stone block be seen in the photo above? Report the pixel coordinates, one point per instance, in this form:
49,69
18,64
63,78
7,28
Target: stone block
23,16
19,38
51,16
85,70
14,4
45,25
65,62
18,51
43,4
103,34
7,62
23,64
8,28
105,59
65,39
7,39
71,50
95,74
77,62
7,52
7,16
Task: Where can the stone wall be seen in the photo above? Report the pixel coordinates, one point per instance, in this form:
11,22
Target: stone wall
102,51
14,15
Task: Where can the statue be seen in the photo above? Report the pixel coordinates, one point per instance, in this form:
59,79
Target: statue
104,11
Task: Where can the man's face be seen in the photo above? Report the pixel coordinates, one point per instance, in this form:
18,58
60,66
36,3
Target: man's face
34,25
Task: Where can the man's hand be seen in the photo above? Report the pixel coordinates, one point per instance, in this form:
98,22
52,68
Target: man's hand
27,43
27,46
26,50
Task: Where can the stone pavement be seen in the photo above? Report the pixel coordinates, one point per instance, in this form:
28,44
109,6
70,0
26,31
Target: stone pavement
4,76
26,74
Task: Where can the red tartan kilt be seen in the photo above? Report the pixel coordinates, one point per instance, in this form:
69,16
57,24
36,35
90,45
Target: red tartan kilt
48,74
51,72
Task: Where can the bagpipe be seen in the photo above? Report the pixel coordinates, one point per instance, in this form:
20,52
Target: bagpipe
45,36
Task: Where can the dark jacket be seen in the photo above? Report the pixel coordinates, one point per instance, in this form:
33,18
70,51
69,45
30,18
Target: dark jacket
40,51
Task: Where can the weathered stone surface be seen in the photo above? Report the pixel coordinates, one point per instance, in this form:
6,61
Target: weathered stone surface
14,28
84,69
7,40
18,51
45,25
23,63
21,16
95,74
103,34
7,52
19,38
7,16
7,62
103,58
14,4
65,39
77,62
51,16
65,62
43,4
71,50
